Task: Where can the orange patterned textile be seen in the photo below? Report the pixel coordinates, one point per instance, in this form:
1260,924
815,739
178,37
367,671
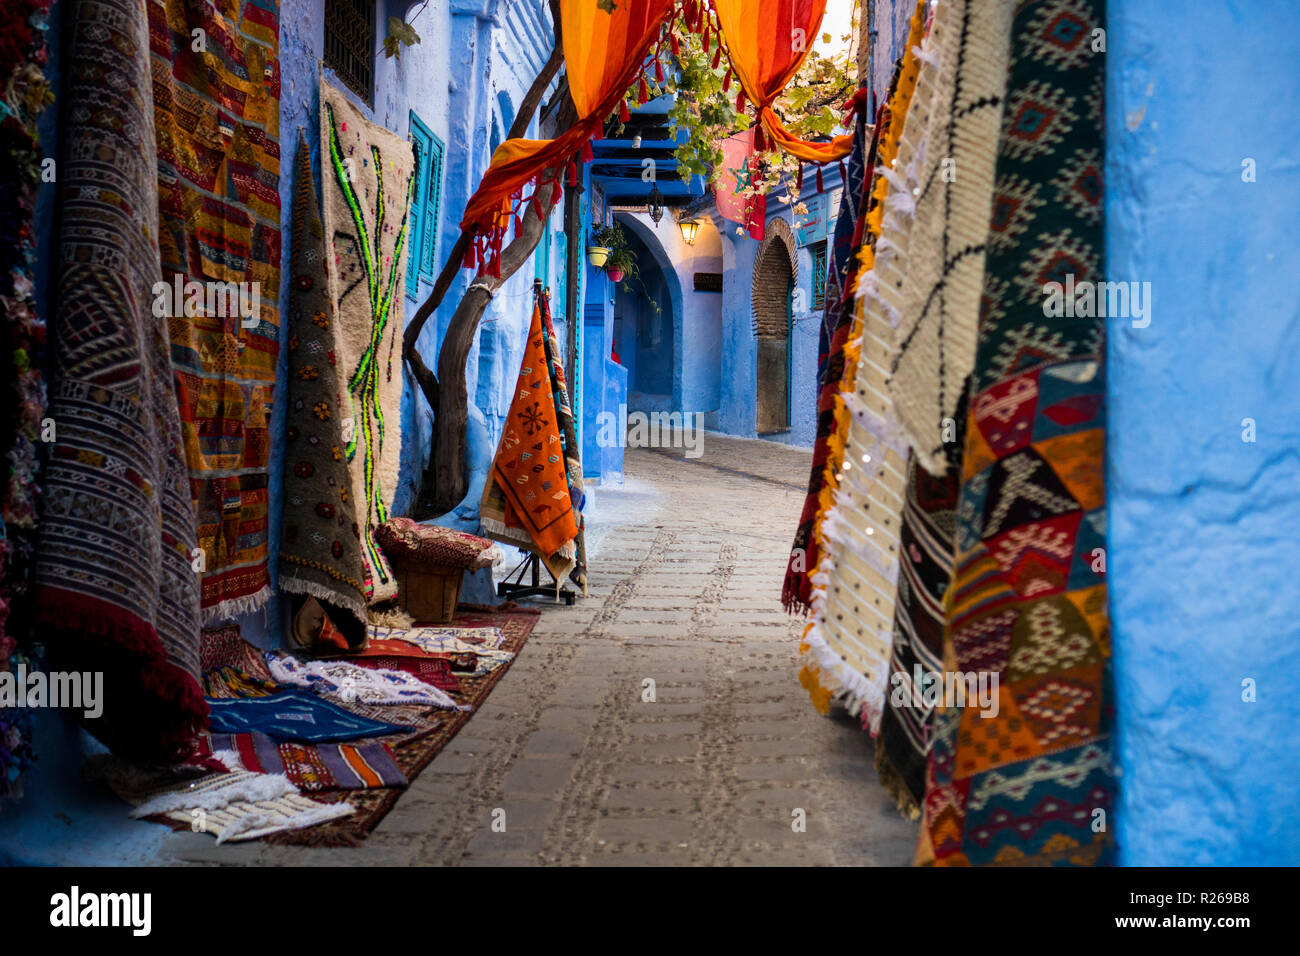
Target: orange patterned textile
767,41
529,467
604,53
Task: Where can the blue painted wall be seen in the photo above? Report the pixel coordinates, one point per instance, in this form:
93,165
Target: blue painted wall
1204,539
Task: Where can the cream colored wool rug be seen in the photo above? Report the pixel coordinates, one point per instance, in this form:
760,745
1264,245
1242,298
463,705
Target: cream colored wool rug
854,588
953,168
366,189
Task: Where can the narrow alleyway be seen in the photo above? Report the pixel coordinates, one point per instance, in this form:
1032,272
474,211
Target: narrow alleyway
686,575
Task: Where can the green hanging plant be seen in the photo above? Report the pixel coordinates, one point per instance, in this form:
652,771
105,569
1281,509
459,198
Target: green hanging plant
400,34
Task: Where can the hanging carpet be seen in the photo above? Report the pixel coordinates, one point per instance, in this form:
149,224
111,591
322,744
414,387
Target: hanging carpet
852,588
216,110
935,339
115,587
837,324
527,501
366,171
916,656
320,538
1028,597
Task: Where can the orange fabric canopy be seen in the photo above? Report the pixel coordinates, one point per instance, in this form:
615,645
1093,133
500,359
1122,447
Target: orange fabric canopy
767,41
603,55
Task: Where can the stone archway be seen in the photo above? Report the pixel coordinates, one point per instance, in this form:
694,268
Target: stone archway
775,277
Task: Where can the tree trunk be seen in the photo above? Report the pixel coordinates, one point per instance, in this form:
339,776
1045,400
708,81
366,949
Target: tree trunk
447,450
444,481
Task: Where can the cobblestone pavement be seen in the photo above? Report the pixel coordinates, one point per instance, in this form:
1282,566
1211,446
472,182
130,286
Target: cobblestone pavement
685,588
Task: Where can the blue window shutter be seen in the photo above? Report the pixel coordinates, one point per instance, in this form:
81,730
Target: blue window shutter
433,203
421,146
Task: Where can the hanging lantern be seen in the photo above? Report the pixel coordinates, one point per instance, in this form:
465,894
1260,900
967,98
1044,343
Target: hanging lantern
689,228
656,203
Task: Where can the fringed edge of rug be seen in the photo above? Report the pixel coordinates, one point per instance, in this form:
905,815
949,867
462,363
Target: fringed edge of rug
232,608
256,788
295,585
830,675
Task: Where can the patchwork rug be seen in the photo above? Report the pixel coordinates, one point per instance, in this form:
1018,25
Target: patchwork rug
527,501
1028,598
295,715
414,751
935,339
216,111
115,586
320,542
366,172
309,767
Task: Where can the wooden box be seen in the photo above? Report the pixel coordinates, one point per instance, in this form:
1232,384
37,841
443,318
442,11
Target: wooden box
430,592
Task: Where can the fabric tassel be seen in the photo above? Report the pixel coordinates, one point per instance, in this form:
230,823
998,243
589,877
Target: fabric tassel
573,173
844,177
676,47
587,154
706,41
760,141
642,94
659,72
820,186
717,56
623,113
740,101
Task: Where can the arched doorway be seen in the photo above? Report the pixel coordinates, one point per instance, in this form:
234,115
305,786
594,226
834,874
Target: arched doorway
647,323
773,286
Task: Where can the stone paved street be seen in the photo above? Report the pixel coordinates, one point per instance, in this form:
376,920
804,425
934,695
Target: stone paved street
686,581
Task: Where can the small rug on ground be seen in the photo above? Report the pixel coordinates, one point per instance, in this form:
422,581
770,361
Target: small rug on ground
309,767
295,714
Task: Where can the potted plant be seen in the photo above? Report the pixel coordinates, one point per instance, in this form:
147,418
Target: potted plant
619,263
604,240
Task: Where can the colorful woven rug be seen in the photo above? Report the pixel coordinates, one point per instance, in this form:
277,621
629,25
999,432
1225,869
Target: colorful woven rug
320,544
935,338
414,751
366,171
433,669
297,715
837,324
1028,785
217,117
528,489
115,587
309,767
